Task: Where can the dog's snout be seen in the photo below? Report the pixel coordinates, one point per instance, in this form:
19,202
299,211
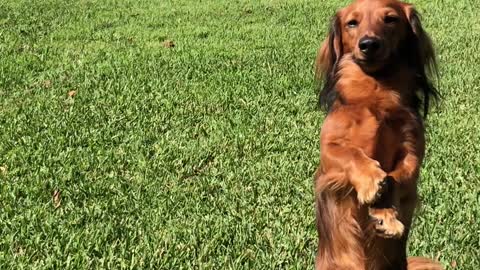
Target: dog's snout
369,45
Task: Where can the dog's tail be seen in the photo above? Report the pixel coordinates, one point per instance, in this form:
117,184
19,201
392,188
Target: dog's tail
420,263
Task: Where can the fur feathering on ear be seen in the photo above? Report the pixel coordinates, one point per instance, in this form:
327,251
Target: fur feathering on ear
423,58
326,64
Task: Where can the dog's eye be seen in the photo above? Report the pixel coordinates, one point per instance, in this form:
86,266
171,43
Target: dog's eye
352,23
390,19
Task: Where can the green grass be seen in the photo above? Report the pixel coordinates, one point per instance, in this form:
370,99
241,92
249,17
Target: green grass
200,156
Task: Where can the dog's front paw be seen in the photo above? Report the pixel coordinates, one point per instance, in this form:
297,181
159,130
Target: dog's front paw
369,182
386,222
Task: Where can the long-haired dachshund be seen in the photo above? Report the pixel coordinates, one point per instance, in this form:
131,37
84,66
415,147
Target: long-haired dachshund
376,66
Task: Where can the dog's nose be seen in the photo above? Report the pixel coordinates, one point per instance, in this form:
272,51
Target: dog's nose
369,45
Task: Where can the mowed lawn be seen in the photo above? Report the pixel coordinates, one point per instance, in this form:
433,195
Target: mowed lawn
120,151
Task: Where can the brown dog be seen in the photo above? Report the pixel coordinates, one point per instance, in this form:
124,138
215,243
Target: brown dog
375,65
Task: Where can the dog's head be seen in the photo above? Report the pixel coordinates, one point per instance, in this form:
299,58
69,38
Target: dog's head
377,34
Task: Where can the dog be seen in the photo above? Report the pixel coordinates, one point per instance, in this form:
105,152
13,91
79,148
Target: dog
377,66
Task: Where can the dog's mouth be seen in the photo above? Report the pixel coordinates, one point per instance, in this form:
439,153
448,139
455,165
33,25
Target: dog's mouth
365,61
370,64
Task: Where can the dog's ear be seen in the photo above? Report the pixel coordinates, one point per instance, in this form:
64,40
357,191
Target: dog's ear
326,63
330,52
422,43
422,57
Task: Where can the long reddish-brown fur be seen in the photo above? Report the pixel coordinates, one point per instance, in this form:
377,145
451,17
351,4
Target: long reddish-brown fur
375,65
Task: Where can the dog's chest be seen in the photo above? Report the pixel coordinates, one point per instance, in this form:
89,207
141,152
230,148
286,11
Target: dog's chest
388,142
379,138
